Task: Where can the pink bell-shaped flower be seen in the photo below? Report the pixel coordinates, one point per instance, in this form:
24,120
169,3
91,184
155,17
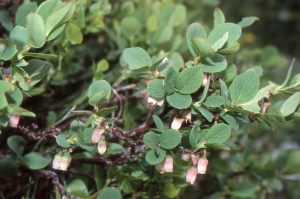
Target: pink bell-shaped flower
202,165
102,147
14,120
97,133
168,164
177,122
191,175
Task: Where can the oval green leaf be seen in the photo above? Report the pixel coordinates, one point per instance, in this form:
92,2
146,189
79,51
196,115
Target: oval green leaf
137,58
189,80
218,133
36,160
156,89
234,33
213,65
36,31
151,140
195,29
110,193
202,48
179,101
169,139
152,157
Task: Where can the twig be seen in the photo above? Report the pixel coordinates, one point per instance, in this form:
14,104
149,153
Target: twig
53,176
120,102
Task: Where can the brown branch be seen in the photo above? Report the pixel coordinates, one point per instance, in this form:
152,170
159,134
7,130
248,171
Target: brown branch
53,176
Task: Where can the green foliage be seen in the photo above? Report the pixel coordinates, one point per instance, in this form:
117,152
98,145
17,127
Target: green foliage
129,51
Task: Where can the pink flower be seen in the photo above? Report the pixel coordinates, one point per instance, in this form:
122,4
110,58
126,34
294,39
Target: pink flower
102,147
194,159
191,175
205,79
185,157
14,120
177,122
160,166
61,161
202,165
97,133
168,166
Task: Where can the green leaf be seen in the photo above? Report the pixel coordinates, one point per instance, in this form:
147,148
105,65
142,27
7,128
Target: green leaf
17,144
179,101
151,140
229,50
102,65
152,23
98,98
100,86
137,58
177,58
290,105
37,70
274,113
74,34
62,141
40,55
243,190
76,127
189,80
157,61
115,149
229,119
213,65
7,50
5,20
169,139
36,161
130,27
78,188
229,73
14,97
216,146
244,87
287,76
173,15
156,89
36,31
214,101
234,32
220,43
247,21
54,33
163,35
170,79
23,11
60,16
204,93
5,87
110,193
18,36
208,115
159,124
195,29
16,110
106,111
219,17
47,7
194,136
218,133
155,156
224,91
202,48
170,190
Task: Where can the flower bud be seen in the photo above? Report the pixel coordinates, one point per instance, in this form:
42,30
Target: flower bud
56,161
153,101
97,133
102,147
187,115
185,157
194,159
202,165
191,175
168,164
14,120
176,124
65,161
205,79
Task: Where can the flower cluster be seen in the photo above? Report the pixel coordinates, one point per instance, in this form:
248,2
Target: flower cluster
98,138
201,164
